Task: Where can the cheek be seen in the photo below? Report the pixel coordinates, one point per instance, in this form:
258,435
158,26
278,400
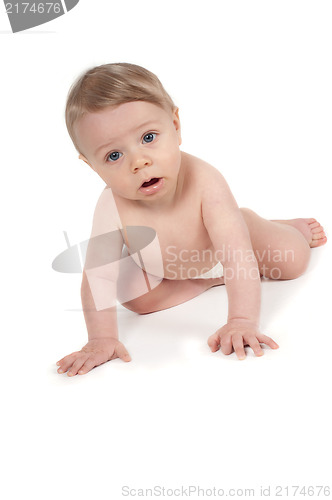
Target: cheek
108,177
171,147
175,155
119,182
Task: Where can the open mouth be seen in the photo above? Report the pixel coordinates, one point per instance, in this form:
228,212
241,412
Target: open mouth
152,186
150,182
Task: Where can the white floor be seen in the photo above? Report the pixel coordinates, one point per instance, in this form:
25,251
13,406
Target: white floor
177,415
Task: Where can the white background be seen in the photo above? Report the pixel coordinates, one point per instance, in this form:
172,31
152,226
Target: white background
253,83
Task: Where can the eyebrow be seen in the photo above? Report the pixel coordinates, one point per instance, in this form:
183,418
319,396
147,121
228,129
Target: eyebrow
136,128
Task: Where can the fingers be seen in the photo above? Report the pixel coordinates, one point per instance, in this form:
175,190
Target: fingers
66,362
122,353
237,340
77,363
255,346
226,344
213,342
87,366
268,341
252,341
82,362
76,366
238,346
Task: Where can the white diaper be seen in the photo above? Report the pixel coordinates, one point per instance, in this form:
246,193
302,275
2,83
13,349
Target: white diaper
216,272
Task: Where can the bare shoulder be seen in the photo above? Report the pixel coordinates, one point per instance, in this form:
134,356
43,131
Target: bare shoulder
205,176
213,190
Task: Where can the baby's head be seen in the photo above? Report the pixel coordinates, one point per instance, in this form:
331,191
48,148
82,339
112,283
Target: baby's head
112,85
126,128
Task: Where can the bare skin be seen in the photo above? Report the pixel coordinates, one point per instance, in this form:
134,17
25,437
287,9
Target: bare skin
306,233
311,230
195,215
171,293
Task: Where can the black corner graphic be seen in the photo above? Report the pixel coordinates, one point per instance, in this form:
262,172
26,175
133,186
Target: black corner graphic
70,4
25,15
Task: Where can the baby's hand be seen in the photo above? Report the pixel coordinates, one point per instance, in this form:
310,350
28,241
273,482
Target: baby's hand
94,353
236,334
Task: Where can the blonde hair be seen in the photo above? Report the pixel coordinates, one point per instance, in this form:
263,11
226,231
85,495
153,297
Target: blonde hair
112,85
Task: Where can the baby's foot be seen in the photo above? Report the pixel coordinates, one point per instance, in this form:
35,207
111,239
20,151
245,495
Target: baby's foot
311,230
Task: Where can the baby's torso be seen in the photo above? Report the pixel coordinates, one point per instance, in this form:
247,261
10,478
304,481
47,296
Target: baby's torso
183,241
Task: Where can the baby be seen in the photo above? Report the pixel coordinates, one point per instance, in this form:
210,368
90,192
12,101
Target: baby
174,215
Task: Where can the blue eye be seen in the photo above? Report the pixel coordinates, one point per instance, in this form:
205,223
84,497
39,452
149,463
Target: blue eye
149,137
114,156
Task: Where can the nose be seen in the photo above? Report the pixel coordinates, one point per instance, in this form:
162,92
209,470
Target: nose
139,162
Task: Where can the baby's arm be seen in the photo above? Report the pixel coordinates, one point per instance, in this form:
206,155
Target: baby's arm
98,293
230,237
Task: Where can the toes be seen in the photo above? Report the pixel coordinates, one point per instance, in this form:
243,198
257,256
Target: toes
318,242
318,236
310,221
317,230
314,225
317,233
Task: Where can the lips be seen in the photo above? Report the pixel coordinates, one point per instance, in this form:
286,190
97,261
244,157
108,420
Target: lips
150,182
152,186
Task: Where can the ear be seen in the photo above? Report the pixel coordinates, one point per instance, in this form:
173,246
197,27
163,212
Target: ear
176,123
81,157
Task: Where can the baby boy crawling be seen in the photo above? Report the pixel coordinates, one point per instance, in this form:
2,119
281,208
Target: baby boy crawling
127,129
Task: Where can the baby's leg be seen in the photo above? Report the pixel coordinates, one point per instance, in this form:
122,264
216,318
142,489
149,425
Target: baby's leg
282,248
170,293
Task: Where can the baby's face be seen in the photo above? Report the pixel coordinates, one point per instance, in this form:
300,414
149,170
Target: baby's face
134,148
